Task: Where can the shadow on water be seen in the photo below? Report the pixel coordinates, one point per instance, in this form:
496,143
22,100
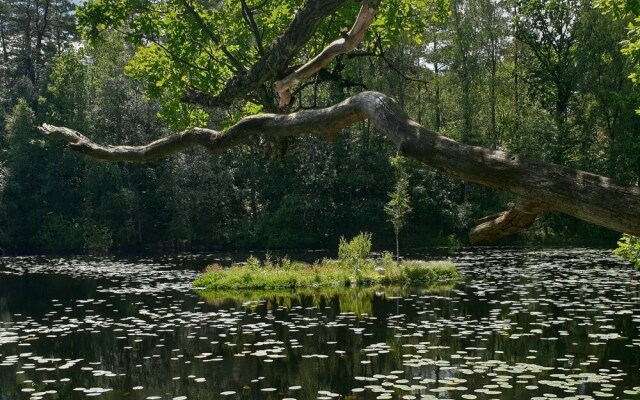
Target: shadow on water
520,324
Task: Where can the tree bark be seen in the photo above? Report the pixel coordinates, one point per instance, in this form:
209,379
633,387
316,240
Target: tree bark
536,185
498,226
397,231
340,46
276,59
41,29
3,41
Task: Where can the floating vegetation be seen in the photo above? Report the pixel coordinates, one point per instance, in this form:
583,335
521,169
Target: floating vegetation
561,324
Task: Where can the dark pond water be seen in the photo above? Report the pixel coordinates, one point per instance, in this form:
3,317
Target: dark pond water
521,324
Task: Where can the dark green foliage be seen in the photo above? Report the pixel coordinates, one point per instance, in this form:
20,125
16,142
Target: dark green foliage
37,194
481,73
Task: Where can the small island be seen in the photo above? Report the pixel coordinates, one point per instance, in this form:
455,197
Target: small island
353,268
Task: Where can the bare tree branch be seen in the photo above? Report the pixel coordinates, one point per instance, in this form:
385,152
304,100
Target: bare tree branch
393,67
494,227
247,14
340,46
537,186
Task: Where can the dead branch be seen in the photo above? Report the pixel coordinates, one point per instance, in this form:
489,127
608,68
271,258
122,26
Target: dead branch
276,59
340,46
538,186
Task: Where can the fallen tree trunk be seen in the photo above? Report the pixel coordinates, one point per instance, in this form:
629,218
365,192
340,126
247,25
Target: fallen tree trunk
536,185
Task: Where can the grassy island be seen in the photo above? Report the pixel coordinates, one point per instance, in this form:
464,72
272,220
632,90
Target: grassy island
254,275
353,268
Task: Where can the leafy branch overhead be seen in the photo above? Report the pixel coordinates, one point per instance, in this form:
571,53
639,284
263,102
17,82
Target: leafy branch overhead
212,55
199,56
629,11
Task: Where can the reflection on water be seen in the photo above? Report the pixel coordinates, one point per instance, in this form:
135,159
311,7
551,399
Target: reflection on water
519,325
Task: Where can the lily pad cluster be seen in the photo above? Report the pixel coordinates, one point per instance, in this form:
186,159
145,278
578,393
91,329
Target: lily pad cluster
520,324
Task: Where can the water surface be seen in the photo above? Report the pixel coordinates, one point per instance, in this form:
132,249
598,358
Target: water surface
520,324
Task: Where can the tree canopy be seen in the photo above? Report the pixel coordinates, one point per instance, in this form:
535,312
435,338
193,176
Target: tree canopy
198,55
542,79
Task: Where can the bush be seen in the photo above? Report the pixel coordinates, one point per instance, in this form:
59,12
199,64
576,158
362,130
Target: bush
353,254
629,249
253,263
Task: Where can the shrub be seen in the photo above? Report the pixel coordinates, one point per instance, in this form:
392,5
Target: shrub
353,254
253,262
629,249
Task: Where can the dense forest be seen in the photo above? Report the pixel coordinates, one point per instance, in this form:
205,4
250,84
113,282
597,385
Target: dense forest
545,79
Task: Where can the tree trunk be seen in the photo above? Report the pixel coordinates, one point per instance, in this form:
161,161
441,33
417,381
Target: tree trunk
537,186
516,86
3,42
252,186
493,98
436,71
397,245
30,72
41,29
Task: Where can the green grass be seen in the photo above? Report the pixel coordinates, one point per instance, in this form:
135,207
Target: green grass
285,274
